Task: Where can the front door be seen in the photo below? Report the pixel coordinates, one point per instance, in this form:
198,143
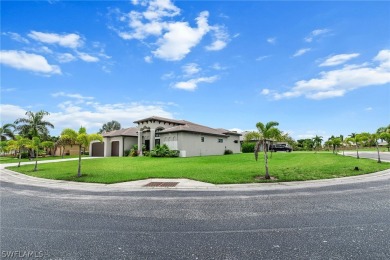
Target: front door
147,145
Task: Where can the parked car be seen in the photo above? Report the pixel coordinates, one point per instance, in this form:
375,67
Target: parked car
280,147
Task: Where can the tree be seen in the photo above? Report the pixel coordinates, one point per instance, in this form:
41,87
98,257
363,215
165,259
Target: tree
33,125
34,145
110,126
374,138
355,139
267,132
384,134
48,145
317,142
18,145
80,138
7,131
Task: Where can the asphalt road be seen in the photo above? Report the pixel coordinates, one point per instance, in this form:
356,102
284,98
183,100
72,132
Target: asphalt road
346,221
385,156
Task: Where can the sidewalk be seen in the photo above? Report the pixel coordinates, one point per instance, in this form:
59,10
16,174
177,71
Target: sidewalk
176,184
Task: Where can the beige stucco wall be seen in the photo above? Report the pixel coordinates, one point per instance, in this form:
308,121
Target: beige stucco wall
129,141
190,144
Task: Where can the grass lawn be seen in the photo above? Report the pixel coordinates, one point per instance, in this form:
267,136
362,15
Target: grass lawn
5,159
225,169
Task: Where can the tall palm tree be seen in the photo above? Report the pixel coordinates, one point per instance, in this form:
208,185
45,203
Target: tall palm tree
7,131
267,132
317,142
80,138
384,134
33,124
110,126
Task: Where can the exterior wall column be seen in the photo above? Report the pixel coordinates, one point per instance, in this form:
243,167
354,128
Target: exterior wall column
140,142
107,147
152,138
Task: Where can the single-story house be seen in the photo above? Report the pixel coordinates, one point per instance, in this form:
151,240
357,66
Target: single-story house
189,138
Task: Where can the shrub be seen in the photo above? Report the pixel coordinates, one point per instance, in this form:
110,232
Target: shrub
126,152
227,151
248,147
25,155
163,151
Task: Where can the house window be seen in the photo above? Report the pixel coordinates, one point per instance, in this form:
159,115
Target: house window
157,134
202,139
220,140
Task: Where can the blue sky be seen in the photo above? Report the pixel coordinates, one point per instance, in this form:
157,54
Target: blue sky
315,67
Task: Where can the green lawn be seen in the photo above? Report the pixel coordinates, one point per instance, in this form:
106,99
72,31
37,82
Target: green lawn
5,159
226,169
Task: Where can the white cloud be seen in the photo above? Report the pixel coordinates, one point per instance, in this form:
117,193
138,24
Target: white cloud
301,52
75,96
338,59
87,58
368,109
65,57
91,115
217,66
191,69
16,37
174,39
221,38
336,83
265,91
316,33
167,76
148,59
9,113
192,84
271,40
260,58
177,42
28,61
71,40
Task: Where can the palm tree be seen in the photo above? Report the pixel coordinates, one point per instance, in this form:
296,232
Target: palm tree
356,139
34,145
80,138
267,132
33,125
110,126
317,142
6,132
18,145
384,134
374,138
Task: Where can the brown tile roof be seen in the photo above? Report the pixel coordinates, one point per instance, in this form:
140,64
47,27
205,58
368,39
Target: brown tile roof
157,118
192,127
132,131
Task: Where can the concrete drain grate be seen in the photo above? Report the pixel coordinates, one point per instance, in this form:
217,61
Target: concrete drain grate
161,184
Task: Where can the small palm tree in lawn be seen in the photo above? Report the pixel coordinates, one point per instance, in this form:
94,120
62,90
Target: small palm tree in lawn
267,132
7,132
384,134
317,142
48,145
19,144
34,124
82,139
34,145
374,138
355,138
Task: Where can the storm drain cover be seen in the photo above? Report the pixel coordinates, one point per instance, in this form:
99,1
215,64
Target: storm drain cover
161,184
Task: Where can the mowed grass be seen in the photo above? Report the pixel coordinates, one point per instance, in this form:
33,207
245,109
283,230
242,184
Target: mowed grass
6,159
225,169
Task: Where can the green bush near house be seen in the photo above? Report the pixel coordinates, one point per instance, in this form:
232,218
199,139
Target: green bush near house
247,147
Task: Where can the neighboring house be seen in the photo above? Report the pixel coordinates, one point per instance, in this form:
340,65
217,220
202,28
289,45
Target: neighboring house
67,150
189,138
